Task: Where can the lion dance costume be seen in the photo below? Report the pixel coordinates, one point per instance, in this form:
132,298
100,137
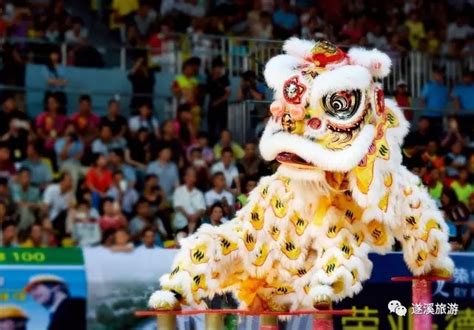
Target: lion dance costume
339,193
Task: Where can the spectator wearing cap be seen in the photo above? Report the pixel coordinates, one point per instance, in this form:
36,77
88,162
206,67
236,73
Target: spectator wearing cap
403,98
218,89
40,169
114,119
52,292
144,120
188,203
435,95
166,171
106,141
13,317
85,120
226,142
26,197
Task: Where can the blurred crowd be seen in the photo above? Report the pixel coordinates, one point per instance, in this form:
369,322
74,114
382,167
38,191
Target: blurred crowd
71,178
434,27
87,180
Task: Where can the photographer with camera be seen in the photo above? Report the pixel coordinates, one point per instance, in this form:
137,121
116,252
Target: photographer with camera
249,88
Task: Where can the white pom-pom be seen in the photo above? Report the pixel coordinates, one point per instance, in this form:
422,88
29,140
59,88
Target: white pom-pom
162,299
298,47
375,61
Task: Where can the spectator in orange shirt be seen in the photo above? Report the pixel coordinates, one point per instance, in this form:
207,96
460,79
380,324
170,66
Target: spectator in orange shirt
98,179
431,156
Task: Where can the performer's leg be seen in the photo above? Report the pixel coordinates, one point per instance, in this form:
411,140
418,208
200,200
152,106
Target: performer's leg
341,264
423,233
206,261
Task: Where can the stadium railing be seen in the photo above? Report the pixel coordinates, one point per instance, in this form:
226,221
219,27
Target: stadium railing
241,54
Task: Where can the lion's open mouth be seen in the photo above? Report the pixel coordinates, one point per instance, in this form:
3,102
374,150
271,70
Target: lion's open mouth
292,159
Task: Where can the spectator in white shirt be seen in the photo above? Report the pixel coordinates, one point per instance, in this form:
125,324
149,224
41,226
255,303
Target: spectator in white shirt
188,203
230,171
219,194
149,240
57,199
77,34
144,119
460,29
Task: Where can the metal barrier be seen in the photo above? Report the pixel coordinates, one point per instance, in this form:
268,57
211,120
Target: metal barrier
242,54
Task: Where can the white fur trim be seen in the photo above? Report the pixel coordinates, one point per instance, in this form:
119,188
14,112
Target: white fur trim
345,160
375,61
298,47
347,77
280,68
162,299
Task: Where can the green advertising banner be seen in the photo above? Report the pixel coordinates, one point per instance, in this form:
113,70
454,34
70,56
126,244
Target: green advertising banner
46,256
43,288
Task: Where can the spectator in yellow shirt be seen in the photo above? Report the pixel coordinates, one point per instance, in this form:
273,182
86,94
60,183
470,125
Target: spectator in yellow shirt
122,11
416,29
226,142
185,88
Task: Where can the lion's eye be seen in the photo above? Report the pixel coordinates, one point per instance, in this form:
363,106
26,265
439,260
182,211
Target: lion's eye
343,104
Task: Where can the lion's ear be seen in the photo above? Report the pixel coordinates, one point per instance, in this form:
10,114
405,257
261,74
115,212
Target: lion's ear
375,61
